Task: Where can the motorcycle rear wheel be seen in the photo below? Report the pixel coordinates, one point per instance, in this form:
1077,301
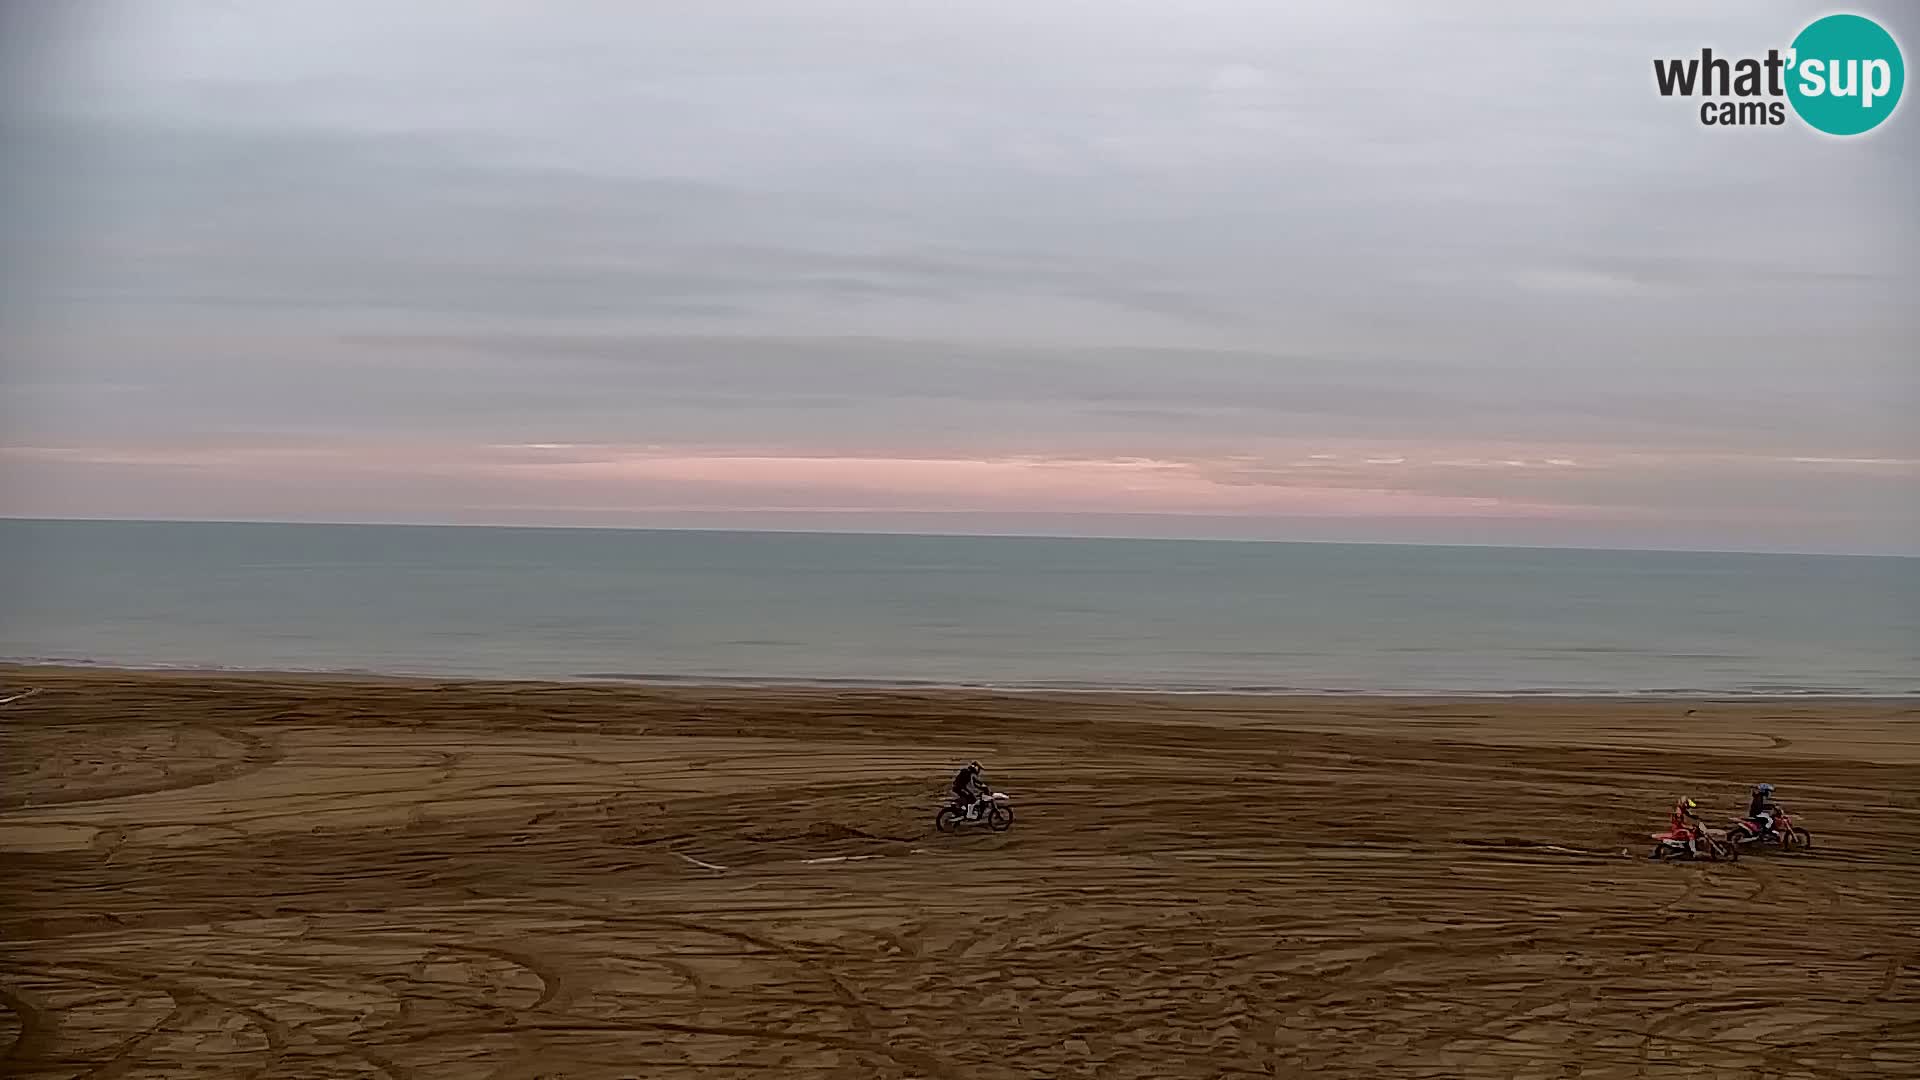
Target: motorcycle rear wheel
948,820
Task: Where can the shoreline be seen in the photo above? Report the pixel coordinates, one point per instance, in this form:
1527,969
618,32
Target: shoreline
18,668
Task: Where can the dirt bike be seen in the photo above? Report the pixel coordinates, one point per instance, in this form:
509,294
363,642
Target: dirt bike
1747,833
991,810
1693,842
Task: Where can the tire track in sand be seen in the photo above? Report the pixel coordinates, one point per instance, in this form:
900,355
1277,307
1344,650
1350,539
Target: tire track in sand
256,753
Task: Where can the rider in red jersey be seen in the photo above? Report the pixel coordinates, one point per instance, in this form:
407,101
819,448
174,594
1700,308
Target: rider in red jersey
1683,820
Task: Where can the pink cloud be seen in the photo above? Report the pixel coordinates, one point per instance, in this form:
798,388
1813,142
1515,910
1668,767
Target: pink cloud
1126,485
626,479
1278,479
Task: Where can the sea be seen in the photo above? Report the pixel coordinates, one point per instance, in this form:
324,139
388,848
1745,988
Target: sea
1008,612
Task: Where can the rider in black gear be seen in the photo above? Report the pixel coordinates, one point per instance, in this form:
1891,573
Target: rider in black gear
968,786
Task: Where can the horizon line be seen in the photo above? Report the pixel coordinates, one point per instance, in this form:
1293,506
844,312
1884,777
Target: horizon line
957,535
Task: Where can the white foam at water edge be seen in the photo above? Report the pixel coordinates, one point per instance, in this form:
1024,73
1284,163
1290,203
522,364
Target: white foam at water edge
1742,693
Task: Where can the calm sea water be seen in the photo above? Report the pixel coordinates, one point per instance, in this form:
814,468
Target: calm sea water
954,610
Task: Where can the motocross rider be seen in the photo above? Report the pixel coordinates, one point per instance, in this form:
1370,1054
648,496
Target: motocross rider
969,786
1761,808
1684,819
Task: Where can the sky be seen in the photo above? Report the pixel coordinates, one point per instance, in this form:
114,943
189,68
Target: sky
1358,271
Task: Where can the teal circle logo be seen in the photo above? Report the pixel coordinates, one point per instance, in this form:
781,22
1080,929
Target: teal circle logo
1846,74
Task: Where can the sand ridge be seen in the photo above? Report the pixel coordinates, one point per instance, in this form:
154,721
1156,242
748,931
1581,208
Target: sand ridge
280,877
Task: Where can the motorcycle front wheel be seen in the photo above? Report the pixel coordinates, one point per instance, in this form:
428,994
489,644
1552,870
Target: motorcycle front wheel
1000,818
1797,838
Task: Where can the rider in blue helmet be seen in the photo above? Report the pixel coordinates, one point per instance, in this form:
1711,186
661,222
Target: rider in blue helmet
1761,808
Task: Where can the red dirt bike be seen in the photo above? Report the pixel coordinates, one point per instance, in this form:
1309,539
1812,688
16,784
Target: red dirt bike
1693,842
1790,837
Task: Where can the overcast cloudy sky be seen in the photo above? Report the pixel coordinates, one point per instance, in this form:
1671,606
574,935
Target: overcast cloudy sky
1409,272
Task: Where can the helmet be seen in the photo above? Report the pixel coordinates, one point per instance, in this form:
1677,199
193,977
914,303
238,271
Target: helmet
1691,805
974,765
1763,789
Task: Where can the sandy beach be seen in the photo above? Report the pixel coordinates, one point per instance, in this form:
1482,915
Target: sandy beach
278,877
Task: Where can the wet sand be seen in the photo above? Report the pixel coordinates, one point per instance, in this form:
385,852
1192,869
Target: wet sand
277,877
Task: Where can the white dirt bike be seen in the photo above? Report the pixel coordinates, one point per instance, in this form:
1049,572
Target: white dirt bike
991,810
